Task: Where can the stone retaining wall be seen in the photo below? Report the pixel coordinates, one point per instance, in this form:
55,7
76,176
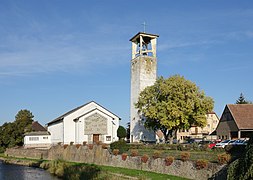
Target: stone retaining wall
101,156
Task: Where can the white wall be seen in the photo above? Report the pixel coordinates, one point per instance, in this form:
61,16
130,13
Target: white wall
56,131
37,140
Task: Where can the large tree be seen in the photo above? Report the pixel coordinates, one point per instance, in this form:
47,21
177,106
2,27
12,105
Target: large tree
12,133
172,104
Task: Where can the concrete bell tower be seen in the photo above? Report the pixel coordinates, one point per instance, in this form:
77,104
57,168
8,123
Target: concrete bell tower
143,74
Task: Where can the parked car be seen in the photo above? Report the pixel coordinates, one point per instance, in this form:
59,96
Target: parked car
204,142
212,144
239,142
222,144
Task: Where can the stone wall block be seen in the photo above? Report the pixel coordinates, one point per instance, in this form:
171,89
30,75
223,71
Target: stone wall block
101,156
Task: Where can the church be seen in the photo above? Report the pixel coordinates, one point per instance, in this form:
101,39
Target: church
90,123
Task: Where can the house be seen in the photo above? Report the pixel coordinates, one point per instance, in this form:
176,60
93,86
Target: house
236,122
89,123
39,137
198,132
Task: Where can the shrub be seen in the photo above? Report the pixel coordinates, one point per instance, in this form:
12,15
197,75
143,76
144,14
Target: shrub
124,156
104,146
115,152
90,146
169,160
57,167
65,146
84,143
144,158
45,165
121,145
71,143
185,156
223,158
78,145
134,152
157,154
201,164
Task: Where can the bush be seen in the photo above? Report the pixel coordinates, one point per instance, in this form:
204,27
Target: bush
65,146
144,158
71,143
121,145
169,160
134,152
45,165
78,145
157,154
124,156
104,146
223,158
115,152
201,164
185,156
84,143
2,149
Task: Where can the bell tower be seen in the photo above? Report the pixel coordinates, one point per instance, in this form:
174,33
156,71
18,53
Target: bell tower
143,74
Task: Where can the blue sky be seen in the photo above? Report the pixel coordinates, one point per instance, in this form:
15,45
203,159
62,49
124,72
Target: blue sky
56,55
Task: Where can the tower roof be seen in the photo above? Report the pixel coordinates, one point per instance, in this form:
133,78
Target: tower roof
147,35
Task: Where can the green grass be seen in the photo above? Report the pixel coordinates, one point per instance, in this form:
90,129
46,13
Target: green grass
139,174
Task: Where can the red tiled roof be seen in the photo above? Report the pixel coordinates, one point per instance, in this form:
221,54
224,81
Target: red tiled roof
242,114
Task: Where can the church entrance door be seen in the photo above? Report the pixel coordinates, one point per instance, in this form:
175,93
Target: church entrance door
95,138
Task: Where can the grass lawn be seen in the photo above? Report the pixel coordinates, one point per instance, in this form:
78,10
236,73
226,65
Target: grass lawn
139,174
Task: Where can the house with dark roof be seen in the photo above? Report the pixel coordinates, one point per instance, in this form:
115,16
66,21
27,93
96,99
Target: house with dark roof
90,122
39,137
236,122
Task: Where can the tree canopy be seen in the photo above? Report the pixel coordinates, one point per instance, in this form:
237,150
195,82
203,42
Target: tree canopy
121,132
12,133
172,104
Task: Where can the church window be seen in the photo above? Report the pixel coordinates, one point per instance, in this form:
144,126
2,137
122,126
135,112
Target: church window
33,138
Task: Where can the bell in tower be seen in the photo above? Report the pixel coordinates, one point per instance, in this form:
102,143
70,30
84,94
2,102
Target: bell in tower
144,44
143,74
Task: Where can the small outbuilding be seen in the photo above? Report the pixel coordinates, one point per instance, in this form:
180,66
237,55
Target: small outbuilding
236,122
39,137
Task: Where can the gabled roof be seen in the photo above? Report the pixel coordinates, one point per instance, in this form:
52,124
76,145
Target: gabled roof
60,118
242,114
37,126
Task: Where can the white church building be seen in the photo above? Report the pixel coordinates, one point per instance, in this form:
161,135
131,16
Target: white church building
89,123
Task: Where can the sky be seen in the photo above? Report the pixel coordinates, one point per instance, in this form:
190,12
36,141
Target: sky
56,55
